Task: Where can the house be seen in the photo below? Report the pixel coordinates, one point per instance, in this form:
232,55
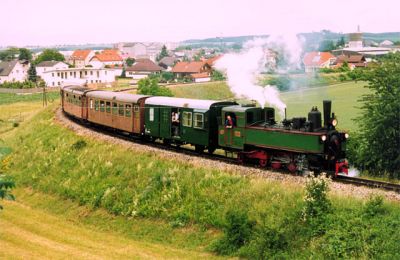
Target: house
314,61
142,69
81,58
13,71
108,58
139,50
167,63
79,76
49,65
211,61
386,43
353,61
196,70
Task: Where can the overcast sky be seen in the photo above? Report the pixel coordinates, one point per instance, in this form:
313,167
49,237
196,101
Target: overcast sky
47,22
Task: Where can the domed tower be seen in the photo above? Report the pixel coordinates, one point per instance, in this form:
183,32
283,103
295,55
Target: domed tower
356,39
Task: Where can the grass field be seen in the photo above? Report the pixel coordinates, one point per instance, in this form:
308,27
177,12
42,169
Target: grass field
38,226
211,90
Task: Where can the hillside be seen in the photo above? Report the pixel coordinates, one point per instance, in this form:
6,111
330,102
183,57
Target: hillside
166,199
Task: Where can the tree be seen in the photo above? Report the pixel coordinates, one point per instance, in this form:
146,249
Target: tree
130,61
340,43
123,74
49,55
217,75
377,148
326,45
32,75
163,53
9,54
25,54
149,86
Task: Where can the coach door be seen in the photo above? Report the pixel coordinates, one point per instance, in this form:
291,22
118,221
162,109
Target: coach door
165,122
136,118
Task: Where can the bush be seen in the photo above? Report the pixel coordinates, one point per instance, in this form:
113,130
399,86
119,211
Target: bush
148,86
374,206
282,83
266,243
237,232
18,85
317,205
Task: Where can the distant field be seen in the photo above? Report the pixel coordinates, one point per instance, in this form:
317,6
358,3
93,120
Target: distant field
344,98
6,98
212,90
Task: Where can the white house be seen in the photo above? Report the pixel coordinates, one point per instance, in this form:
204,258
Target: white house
142,69
49,65
79,76
12,71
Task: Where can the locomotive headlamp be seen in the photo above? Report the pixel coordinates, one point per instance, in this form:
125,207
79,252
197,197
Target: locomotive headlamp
334,122
346,135
323,138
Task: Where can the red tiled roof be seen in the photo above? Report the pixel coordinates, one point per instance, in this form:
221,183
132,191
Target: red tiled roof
212,60
188,67
317,58
108,55
80,54
144,65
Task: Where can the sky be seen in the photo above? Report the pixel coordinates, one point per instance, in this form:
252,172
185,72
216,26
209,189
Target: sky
49,22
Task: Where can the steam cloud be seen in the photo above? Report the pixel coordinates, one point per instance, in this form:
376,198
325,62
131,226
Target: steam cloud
242,69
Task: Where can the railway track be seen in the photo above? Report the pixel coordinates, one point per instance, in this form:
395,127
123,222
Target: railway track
369,183
217,157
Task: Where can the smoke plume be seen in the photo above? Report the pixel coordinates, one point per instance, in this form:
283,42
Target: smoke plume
242,70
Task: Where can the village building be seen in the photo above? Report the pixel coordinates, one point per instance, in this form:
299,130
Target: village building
198,71
81,58
49,65
313,61
142,69
13,71
167,63
79,76
353,61
110,58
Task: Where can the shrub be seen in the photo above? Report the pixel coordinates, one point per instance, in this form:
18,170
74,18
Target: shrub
237,232
18,85
374,206
282,83
317,205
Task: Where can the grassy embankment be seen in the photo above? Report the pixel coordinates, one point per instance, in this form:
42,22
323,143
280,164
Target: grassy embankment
186,203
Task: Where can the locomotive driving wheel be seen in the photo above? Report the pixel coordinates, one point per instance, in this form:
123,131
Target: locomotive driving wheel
262,162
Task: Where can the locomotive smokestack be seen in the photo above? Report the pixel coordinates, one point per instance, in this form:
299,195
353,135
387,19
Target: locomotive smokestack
327,111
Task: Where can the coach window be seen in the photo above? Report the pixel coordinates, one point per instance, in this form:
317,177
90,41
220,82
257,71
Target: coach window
96,105
121,109
187,119
102,106
91,104
128,110
151,114
108,107
114,108
135,108
198,121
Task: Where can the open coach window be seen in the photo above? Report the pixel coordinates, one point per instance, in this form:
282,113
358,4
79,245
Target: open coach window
128,110
198,121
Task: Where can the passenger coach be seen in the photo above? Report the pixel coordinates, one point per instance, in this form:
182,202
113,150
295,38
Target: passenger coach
184,121
117,110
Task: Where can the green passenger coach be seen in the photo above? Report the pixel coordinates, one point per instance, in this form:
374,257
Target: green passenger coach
184,121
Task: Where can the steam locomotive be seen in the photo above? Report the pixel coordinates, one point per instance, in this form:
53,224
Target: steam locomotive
249,132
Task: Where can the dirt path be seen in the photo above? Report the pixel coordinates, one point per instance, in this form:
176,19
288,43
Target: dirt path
289,180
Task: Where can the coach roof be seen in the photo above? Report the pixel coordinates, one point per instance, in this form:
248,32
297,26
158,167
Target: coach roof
76,89
117,96
182,102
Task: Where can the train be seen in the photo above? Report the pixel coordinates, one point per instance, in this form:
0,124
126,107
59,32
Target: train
249,132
